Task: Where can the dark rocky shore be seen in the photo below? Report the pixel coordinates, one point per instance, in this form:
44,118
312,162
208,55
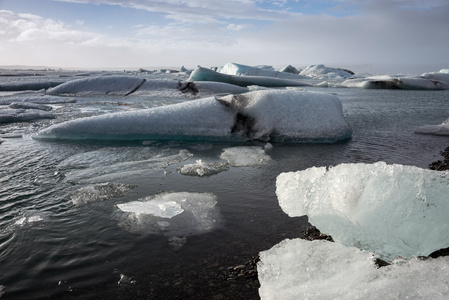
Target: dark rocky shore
441,165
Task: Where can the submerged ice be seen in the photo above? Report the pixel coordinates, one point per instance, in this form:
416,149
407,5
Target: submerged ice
300,269
99,192
392,210
279,115
173,214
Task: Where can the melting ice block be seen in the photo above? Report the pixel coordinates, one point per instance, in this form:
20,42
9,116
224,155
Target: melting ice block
278,115
441,129
201,168
245,156
203,74
99,192
393,210
174,214
300,269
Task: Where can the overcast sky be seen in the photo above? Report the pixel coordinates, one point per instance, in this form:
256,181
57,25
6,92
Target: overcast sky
142,33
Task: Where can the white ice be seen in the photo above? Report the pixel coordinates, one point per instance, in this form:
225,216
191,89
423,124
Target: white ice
427,82
300,269
99,192
393,210
200,168
173,214
323,72
279,115
441,129
203,74
245,156
239,70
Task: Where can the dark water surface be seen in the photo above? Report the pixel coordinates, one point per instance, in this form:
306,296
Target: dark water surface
51,249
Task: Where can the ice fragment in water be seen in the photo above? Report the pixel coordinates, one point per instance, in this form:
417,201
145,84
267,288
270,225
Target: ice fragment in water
158,208
99,192
300,269
393,210
245,156
201,168
441,129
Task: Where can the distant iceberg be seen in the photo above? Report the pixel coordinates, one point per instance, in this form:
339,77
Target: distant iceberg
323,72
392,210
441,129
427,81
203,74
243,70
277,115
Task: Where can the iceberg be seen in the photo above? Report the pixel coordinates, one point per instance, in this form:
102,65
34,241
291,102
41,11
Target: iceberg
203,74
300,269
323,72
173,214
239,70
392,210
441,129
290,69
277,115
23,115
395,82
127,85
442,75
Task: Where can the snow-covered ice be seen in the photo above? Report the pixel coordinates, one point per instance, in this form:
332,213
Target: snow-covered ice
99,192
173,214
203,74
397,82
279,115
300,269
323,72
250,156
392,210
23,115
239,70
440,129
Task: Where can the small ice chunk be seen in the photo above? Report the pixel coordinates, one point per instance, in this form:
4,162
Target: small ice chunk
201,168
300,269
158,208
393,210
99,192
441,129
245,156
163,224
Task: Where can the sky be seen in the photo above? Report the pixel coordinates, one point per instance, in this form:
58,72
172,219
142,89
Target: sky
172,33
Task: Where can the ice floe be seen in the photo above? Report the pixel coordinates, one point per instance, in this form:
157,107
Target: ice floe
300,269
203,74
441,129
245,156
23,115
173,214
279,115
200,168
239,70
397,82
30,105
99,192
323,72
392,210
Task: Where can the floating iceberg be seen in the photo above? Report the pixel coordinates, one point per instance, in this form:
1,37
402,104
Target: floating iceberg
392,210
23,115
300,269
174,214
279,115
203,74
323,72
201,168
245,156
239,70
99,192
393,82
127,85
441,129
442,75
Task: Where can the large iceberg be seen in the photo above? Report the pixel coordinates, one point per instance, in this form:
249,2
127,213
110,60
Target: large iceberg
239,70
278,115
440,129
323,72
392,210
203,74
300,269
120,85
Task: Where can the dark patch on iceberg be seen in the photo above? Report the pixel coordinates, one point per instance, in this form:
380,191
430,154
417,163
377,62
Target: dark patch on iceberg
244,123
188,87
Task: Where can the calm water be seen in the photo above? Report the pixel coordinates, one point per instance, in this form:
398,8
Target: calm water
50,248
